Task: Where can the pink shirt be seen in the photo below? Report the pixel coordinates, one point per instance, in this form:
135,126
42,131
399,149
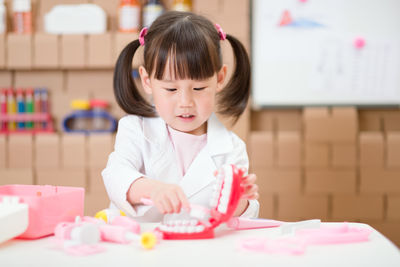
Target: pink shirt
186,146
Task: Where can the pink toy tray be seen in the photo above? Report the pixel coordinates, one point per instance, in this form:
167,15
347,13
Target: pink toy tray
48,205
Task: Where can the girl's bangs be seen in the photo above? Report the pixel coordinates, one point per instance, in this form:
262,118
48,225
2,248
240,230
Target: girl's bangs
193,59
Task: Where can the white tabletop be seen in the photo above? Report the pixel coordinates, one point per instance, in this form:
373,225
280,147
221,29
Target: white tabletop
219,251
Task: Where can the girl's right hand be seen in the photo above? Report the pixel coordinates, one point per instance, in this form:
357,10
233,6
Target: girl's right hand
169,198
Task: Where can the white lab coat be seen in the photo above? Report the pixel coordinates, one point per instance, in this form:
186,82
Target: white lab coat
143,148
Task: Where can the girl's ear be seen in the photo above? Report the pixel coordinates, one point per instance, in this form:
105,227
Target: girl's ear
221,77
144,77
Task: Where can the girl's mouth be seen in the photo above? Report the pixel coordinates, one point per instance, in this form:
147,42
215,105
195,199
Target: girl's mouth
187,117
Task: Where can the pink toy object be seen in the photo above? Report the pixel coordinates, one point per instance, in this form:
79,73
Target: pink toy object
359,42
48,205
223,205
297,244
249,223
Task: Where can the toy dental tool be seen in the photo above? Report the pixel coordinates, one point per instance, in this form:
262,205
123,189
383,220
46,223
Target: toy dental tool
223,204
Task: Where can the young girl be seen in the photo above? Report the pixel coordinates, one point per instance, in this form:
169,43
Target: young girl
168,151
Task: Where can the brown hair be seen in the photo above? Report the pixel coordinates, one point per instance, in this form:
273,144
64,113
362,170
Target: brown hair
192,44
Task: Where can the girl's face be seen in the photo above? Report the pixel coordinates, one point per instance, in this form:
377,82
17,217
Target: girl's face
185,105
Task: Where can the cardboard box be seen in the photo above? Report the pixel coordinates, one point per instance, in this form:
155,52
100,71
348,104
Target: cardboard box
3,152
391,121
19,51
121,40
393,149
302,207
111,9
330,181
234,18
100,54
209,9
278,181
5,79
371,145
379,181
2,51
393,208
242,125
344,155
73,151
62,177
261,120
316,155
16,176
267,206
73,51
96,195
289,121
99,148
357,207
47,151
46,50
335,125
289,149
53,80
370,120
89,81
20,151
261,149
61,104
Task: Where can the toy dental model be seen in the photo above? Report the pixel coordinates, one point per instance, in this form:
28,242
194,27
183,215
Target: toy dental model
223,204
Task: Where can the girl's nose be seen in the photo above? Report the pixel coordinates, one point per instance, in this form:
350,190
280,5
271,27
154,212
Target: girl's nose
185,98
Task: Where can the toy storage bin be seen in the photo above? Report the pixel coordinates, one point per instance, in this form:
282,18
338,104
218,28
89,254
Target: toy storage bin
48,205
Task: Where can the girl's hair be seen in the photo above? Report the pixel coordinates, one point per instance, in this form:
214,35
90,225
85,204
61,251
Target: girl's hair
191,43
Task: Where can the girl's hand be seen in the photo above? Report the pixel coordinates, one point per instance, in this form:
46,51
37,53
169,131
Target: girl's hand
249,186
169,198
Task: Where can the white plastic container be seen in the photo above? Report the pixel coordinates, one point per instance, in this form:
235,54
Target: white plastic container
13,218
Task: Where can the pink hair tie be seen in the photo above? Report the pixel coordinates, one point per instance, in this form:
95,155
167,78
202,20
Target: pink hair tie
142,34
222,34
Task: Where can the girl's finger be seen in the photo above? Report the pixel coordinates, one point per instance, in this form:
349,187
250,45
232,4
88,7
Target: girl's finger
175,202
183,200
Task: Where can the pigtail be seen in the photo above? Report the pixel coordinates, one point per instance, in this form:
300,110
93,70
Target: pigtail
126,92
235,96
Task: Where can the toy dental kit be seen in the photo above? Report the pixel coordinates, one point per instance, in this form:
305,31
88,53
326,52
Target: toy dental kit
13,218
82,237
47,206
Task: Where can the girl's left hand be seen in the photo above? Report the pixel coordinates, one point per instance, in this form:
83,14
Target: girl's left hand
250,187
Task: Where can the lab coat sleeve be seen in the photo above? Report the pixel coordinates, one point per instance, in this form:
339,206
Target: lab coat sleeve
239,158
124,164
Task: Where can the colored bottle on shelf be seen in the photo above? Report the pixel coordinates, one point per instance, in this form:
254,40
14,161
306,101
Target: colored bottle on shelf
11,108
129,16
182,5
29,106
3,17
3,108
22,16
98,106
37,106
20,107
44,104
80,123
151,11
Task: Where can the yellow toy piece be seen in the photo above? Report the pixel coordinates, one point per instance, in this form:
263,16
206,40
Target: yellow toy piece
148,240
108,214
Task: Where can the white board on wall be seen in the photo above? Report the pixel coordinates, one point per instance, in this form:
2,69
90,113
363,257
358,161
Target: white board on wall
325,52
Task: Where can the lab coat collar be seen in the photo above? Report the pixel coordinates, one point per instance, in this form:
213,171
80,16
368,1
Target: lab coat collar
218,138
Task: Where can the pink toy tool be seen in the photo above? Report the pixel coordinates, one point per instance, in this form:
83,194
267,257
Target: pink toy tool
223,204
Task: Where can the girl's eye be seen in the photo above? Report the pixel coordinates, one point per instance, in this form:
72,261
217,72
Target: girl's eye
170,89
199,88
